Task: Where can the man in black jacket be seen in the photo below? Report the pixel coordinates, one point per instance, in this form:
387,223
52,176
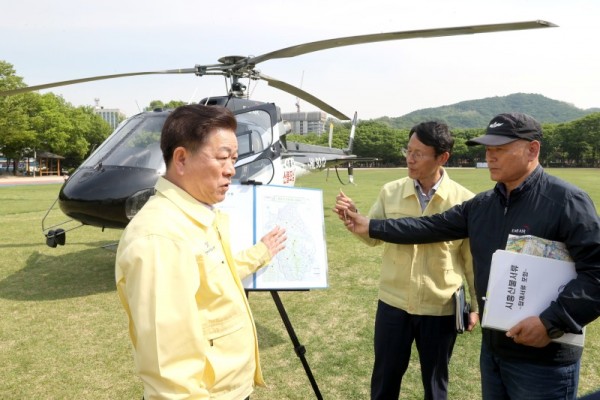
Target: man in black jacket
522,363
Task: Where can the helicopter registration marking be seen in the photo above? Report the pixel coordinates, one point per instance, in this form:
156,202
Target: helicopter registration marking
317,163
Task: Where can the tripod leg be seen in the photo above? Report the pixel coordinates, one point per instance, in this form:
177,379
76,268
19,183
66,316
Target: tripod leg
298,348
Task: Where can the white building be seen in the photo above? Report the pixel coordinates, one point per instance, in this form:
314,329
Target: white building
111,115
306,122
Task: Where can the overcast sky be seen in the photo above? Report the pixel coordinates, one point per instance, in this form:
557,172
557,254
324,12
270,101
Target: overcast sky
68,39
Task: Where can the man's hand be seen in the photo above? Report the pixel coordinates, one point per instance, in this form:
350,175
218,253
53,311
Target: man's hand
473,320
530,332
356,223
275,240
347,212
343,204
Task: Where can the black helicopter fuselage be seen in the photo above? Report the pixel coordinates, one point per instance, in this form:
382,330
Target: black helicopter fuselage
118,178
99,197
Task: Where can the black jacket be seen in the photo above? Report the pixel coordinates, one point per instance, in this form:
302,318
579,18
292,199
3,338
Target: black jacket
543,206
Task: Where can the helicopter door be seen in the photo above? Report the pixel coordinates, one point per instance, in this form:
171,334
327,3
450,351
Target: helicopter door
255,138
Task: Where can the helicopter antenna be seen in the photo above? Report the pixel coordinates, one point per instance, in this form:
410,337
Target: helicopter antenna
193,95
251,91
297,98
226,85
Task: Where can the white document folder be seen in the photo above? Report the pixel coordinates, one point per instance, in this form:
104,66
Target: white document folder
523,285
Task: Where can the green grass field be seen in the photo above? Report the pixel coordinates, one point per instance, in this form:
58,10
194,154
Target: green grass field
63,334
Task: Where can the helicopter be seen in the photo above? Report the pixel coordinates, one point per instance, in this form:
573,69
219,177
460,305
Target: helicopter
117,179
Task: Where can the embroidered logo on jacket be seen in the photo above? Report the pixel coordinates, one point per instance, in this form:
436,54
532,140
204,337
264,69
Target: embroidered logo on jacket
519,231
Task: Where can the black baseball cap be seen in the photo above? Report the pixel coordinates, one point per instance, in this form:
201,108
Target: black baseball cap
508,127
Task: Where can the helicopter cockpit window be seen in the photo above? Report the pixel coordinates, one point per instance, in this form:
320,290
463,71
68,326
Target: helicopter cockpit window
249,142
135,144
254,132
261,170
255,135
244,143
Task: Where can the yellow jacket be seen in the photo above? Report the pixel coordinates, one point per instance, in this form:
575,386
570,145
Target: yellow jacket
420,279
190,323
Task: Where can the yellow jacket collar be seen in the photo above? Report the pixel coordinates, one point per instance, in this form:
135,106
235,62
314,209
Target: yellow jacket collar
182,199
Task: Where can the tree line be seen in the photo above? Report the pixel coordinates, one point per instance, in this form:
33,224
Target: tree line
569,144
33,122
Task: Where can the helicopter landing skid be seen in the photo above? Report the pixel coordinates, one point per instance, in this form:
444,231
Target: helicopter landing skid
58,236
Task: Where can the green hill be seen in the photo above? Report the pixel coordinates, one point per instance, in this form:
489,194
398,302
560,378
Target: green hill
477,113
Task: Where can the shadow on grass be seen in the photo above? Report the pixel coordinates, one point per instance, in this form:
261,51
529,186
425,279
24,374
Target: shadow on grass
269,338
112,246
48,277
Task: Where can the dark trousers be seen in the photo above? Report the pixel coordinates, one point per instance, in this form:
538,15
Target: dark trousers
395,331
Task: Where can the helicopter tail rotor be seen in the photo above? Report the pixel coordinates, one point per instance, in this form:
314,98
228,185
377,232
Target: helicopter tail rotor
348,150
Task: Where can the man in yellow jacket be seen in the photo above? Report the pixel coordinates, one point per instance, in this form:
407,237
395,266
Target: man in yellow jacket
418,281
190,323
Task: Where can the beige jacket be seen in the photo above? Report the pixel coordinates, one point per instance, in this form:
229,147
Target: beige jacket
420,279
190,323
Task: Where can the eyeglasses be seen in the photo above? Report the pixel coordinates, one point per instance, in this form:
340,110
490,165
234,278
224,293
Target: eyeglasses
416,155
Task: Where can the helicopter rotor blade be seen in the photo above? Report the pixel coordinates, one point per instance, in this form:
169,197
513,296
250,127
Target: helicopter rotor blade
293,90
381,37
238,66
94,78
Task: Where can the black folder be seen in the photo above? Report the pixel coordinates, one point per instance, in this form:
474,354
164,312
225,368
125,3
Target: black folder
462,309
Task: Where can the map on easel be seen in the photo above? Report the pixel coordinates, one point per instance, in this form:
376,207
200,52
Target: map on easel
256,209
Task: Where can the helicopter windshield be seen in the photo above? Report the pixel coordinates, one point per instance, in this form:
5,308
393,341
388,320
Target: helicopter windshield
135,144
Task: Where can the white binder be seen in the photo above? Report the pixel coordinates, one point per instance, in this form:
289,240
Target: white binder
523,285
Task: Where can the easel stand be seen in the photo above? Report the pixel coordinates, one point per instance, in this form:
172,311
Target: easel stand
298,347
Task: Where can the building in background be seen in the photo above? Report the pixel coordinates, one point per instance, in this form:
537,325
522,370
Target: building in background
113,116
306,122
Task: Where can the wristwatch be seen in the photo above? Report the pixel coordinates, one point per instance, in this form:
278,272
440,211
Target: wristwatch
552,331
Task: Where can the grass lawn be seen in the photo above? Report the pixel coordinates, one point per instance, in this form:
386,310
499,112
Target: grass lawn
63,334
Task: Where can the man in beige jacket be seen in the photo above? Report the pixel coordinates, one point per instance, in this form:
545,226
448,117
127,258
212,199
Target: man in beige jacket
189,319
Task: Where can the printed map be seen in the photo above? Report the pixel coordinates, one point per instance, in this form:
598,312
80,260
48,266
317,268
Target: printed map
535,246
255,210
